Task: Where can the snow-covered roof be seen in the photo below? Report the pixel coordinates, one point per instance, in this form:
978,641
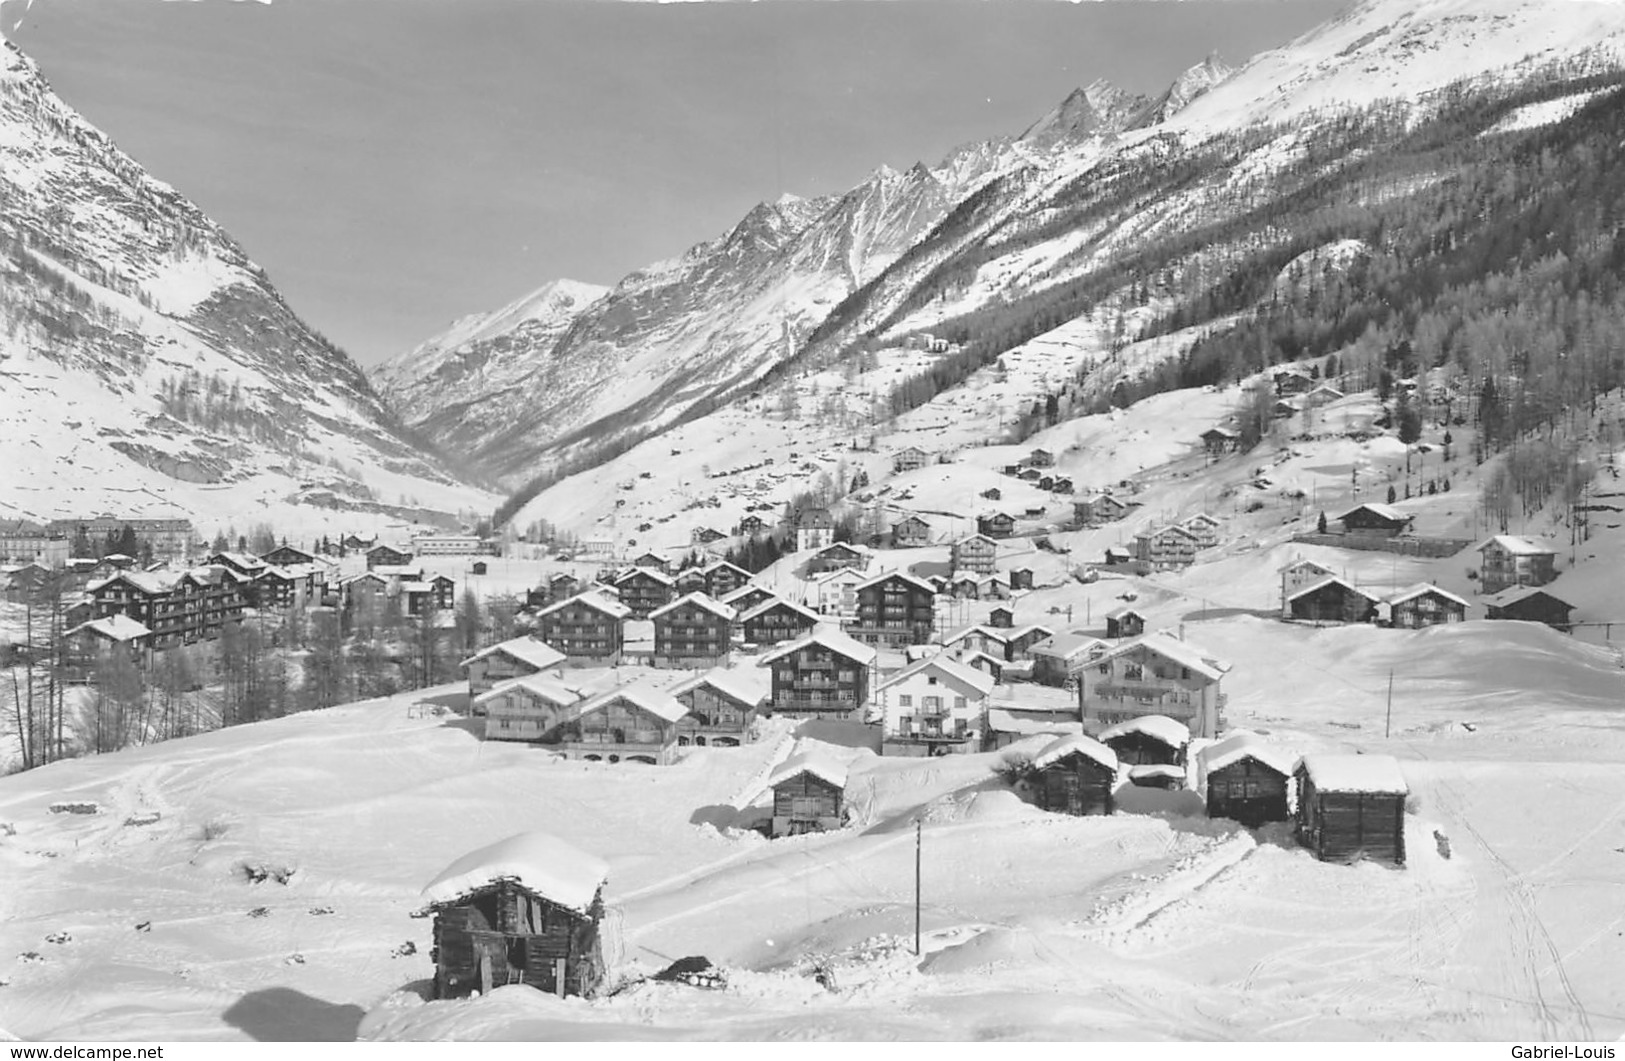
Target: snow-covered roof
115,627
993,632
746,684
1075,744
1377,509
1514,594
833,640
537,862
975,538
1355,773
963,678
403,571
778,602
1000,720
744,591
1170,731
723,565
1066,646
1322,583
1516,545
917,583
1421,588
1301,562
247,560
1181,652
647,572
1243,745
1157,770
821,767
710,604
658,702
550,689
150,582
1125,611
526,649
591,599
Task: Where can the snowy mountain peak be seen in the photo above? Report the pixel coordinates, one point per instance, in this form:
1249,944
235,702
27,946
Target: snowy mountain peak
1099,107
1192,83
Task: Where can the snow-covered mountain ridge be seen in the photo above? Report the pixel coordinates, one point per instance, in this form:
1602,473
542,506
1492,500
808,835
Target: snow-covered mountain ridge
150,368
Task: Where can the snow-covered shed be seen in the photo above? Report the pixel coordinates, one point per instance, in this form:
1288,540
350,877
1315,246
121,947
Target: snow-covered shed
1148,740
1075,775
809,795
1246,779
524,910
1352,807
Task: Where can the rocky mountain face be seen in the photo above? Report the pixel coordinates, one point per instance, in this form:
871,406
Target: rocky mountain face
148,366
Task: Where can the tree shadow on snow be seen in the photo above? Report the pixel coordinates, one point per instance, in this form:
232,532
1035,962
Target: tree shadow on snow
473,726
283,1015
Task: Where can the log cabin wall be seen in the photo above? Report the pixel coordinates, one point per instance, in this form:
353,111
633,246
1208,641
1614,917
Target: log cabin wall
1076,785
1248,792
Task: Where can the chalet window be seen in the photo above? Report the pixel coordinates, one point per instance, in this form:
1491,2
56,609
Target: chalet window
905,700
959,703
1105,668
1133,672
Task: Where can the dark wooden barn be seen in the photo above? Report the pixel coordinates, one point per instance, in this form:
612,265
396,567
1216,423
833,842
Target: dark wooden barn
1530,605
1246,780
809,796
1381,521
525,910
1075,775
1352,807
1148,740
1332,600
1124,622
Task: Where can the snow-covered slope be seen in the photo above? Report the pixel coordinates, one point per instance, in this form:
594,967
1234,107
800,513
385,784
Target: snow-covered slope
150,368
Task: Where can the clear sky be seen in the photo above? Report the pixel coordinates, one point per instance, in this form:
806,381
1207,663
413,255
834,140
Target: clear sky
394,164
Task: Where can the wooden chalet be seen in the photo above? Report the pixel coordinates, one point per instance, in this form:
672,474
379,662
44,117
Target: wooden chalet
975,554
910,532
1102,508
1124,622
517,657
1203,527
996,525
1509,560
690,580
909,459
836,592
385,556
751,525
747,597
774,621
1117,556
1221,440
1375,520
824,675
630,724
1075,775
1021,578
288,556
1061,659
723,578
1423,604
722,707
1245,780
478,567
1061,484
1040,458
1166,548
355,543
987,663
1290,381
692,631
1148,740
1530,604
815,529
1002,617
86,644
838,556
969,640
894,609
965,586
654,561
562,585
1322,395
1352,807
937,706
587,628
1332,600
645,589
706,535
1019,643
525,910
1298,575
527,708
809,796
1155,674
245,564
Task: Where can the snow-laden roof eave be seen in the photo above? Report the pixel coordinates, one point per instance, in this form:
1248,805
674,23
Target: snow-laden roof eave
538,862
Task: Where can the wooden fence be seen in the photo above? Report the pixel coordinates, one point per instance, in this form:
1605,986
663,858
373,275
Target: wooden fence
1432,548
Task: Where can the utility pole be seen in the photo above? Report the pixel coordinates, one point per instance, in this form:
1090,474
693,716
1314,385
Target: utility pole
919,826
1388,722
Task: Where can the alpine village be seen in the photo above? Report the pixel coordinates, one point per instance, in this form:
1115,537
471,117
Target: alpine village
1164,582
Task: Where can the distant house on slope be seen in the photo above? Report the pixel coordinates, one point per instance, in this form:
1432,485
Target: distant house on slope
1075,775
1332,600
517,657
1375,520
1530,604
809,795
1424,604
522,911
1245,779
1297,575
1509,560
